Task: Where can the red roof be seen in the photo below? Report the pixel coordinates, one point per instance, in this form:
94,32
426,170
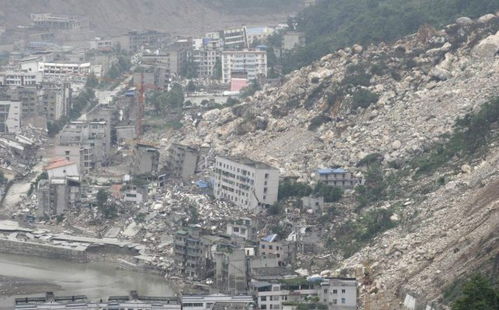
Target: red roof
58,163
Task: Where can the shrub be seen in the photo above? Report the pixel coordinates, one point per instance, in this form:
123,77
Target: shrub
470,138
478,293
374,188
317,122
356,75
330,193
363,98
289,188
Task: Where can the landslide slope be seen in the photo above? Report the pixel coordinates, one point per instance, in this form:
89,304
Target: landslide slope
400,101
424,83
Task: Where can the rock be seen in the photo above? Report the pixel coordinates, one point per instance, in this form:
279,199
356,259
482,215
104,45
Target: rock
440,74
396,145
466,168
394,218
486,18
357,49
464,21
487,48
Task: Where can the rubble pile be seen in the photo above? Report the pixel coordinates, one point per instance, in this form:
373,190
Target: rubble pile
424,82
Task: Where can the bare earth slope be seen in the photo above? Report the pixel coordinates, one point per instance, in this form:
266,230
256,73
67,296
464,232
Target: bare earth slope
117,16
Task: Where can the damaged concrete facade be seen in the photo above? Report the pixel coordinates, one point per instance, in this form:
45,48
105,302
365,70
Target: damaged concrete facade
246,183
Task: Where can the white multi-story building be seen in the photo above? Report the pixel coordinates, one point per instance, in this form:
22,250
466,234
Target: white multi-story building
336,293
20,78
253,63
247,183
273,295
10,116
208,302
56,70
339,293
206,56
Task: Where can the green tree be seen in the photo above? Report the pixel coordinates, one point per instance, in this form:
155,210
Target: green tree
191,86
330,193
101,197
289,188
92,81
374,187
478,294
217,74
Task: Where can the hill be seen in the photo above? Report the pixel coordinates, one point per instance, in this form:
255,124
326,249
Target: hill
174,16
420,118
334,24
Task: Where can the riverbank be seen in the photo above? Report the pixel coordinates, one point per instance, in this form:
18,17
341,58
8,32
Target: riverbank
22,286
25,276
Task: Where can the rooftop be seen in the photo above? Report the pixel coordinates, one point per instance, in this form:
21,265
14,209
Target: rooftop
332,171
248,162
58,163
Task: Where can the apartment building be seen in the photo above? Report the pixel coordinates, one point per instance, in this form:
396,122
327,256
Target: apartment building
189,253
56,22
217,301
253,63
207,56
338,177
244,228
338,293
274,295
270,246
90,140
231,270
10,116
20,78
246,183
182,160
235,38
137,40
146,159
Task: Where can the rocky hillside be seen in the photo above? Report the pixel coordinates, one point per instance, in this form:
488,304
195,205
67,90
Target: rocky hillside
317,119
398,101
118,16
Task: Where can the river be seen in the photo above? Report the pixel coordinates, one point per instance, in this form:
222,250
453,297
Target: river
96,280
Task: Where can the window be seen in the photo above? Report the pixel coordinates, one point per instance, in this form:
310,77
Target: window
335,291
263,246
270,247
263,298
335,301
343,300
325,291
343,291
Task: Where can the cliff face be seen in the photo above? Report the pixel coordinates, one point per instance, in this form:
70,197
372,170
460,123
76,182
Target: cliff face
396,100
118,16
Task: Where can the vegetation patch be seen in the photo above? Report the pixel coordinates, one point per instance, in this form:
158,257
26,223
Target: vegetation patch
470,138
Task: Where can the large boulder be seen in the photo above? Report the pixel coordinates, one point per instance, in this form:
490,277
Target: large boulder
486,18
440,74
488,47
464,21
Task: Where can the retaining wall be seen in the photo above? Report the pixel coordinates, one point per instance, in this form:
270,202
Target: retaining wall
42,250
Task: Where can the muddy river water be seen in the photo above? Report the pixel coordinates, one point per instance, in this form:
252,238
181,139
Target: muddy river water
96,280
